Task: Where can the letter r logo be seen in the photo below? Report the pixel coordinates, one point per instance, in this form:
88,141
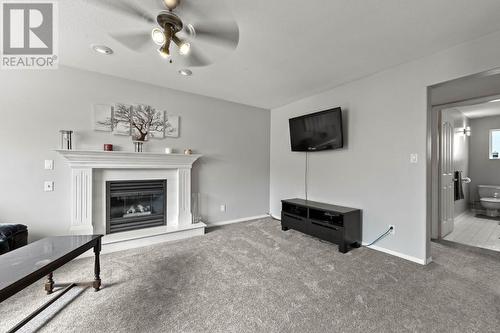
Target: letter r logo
27,28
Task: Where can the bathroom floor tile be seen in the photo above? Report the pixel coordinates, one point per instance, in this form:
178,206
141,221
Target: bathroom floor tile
476,230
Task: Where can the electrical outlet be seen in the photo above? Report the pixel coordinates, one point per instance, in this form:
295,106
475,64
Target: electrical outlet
223,208
393,231
48,186
49,164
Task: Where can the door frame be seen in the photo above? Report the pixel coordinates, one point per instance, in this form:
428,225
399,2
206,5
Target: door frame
432,163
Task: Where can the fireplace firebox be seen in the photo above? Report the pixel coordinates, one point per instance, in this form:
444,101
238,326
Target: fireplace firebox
135,204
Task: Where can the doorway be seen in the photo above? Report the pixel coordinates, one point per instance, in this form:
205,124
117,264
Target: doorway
464,184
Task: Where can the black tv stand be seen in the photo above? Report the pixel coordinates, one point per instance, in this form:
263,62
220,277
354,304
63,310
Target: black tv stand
336,224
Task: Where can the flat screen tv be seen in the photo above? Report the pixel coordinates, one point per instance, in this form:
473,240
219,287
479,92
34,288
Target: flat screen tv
317,131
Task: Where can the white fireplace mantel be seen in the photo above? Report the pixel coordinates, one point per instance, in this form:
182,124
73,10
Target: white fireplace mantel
83,164
126,160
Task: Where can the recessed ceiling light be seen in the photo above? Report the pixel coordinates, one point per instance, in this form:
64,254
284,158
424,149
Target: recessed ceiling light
102,49
185,72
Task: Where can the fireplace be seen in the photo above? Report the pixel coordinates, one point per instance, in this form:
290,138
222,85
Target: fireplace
135,204
90,214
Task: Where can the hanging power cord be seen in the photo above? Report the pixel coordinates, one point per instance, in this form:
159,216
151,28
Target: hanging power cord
382,236
306,174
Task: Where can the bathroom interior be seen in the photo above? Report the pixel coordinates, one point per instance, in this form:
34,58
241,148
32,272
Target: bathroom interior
464,129
476,173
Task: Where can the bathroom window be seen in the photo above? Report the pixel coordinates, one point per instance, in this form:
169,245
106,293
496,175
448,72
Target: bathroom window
494,144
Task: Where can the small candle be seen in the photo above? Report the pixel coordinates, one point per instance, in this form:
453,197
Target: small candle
168,150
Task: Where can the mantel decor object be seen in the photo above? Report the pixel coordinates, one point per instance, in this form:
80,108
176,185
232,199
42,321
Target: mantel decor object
188,151
108,147
168,150
138,146
66,139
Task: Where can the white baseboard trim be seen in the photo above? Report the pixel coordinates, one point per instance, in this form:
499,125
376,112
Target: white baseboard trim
399,254
391,252
244,219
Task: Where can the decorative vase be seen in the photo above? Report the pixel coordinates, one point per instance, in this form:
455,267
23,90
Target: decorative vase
138,146
66,139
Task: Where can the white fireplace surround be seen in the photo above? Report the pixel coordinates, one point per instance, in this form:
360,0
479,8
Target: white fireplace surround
91,169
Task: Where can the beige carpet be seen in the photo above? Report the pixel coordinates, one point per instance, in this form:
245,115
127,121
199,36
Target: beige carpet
252,277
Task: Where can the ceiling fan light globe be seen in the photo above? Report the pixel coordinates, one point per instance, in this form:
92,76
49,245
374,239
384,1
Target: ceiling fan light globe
164,52
158,36
184,48
171,4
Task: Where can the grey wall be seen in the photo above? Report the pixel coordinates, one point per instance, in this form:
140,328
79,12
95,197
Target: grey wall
483,171
35,105
387,120
460,155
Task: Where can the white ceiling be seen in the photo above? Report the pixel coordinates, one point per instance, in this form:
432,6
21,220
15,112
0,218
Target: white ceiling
289,49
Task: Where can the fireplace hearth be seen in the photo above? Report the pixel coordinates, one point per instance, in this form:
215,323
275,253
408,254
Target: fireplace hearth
135,204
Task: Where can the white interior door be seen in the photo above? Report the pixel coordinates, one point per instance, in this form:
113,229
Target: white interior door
446,176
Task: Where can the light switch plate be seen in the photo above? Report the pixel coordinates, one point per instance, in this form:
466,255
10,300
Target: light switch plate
49,164
414,158
222,208
48,186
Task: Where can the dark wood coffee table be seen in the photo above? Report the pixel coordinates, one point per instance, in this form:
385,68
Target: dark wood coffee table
28,264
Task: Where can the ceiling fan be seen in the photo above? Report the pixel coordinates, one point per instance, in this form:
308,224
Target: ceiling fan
170,33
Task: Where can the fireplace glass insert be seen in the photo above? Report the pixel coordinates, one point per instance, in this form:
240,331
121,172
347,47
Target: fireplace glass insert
135,204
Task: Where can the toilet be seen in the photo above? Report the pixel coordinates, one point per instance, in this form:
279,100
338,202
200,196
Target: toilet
489,196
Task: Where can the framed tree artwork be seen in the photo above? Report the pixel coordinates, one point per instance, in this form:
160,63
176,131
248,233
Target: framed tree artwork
147,122
122,115
141,121
101,117
171,126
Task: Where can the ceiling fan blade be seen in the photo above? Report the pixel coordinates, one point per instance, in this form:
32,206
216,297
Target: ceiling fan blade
202,9
225,34
135,41
195,58
125,8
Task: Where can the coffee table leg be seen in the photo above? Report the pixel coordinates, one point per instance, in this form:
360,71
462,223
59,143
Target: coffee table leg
97,267
49,284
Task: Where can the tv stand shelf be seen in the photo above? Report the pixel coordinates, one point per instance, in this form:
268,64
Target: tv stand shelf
336,224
